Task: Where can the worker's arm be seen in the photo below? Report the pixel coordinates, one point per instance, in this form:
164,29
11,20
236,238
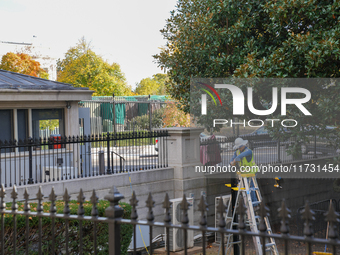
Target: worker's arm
246,153
232,159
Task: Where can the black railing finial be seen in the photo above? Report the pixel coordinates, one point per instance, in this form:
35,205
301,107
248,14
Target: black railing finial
27,206
308,216
332,217
114,210
134,202
167,207
66,198
150,203
2,198
94,201
241,212
203,208
14,196
284,214
264,212
52,197
40,197
184,207
80,200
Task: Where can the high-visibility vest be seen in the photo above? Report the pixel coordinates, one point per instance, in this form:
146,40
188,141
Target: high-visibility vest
244,162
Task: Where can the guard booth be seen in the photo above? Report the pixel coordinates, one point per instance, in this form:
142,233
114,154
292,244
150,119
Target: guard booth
28,105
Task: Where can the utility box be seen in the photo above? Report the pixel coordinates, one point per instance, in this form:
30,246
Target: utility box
142,233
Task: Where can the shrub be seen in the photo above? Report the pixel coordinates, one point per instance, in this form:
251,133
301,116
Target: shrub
60,230
142,122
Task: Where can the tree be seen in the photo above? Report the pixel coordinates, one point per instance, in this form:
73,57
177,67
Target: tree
152,86
217,38
81,67
257,39
174,116
22,63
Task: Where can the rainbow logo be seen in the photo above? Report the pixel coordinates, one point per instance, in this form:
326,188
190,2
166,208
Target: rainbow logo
204,97
213,90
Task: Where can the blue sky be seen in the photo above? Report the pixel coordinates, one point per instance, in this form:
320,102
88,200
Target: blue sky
125,32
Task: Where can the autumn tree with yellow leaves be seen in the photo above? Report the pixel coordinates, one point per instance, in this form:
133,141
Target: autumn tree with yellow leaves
82,67
22,63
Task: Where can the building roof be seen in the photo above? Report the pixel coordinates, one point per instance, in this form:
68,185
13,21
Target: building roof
17,81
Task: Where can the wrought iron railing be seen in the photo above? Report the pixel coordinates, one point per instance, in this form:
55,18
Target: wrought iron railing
114,220
270,151
63,158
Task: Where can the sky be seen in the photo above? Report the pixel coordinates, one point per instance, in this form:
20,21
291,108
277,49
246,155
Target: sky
124,32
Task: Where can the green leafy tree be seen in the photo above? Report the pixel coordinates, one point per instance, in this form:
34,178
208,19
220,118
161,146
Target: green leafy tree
152,86
223,38
262,39
22,63
82,67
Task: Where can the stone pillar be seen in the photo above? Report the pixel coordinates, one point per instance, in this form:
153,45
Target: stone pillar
71,119
184,156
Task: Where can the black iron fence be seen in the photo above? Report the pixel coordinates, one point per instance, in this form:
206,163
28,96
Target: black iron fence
319,208
63,158
267,150
114,220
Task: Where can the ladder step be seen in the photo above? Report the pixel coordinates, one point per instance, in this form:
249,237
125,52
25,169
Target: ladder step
256,203
231,243
269,244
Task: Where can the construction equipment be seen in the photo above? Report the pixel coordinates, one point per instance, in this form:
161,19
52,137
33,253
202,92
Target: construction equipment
246,185
278,182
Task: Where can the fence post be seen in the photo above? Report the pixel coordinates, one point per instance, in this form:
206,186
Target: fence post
150,115
278,151
314,156
114,114
108,170
101,163
114,212
30,161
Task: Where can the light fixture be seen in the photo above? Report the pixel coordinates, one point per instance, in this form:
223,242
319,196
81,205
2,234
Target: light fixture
68,105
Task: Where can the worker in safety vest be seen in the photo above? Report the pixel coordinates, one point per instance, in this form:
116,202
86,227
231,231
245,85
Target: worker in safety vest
245,157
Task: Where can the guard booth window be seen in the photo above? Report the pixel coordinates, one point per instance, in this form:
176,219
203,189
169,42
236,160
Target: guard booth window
6,127
22,124
47,122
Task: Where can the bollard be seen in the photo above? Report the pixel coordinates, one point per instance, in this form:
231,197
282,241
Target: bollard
101,162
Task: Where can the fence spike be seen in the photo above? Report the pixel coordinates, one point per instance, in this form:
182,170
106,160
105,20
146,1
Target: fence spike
185,207
284,214
203,208
167,206
114,211
241,211
14,196
2,197
81,200
27,206
150,203
66,198
332,217
264,212
308,216
53,198
94,201
134,203
40,197
221,210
